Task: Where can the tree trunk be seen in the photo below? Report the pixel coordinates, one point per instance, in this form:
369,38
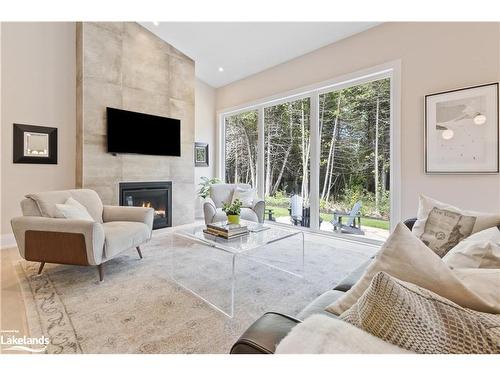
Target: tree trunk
377,202
268,164
330,154
250,158
305,156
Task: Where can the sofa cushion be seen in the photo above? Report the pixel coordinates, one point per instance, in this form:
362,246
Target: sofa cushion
405,257
72,209
318,305
441,226
123,235
46,202
481,250
421,321
91,200
245,196
220,193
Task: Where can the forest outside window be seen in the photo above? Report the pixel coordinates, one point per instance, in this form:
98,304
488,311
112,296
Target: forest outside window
272,148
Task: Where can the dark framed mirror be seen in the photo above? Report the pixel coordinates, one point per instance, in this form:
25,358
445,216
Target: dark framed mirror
35,144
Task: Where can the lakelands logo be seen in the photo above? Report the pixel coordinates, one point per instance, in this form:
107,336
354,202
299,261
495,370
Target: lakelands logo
10,342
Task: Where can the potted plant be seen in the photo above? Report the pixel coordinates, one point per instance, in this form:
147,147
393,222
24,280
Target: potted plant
232,211
204,190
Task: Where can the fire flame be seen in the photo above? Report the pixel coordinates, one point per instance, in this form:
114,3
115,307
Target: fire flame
157,212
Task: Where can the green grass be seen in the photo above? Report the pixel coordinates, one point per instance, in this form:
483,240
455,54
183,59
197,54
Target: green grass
365,221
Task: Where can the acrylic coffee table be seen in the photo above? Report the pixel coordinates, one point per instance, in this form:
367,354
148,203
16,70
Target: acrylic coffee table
205,265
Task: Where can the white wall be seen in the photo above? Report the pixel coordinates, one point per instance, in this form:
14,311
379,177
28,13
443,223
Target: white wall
205,131
38,68
435,57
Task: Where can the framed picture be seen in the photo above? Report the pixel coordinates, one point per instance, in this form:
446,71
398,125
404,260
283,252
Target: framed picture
200,154
35,144
461,131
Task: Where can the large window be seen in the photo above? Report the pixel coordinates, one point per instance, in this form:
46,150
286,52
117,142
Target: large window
287,145
321,156
354,126
241,148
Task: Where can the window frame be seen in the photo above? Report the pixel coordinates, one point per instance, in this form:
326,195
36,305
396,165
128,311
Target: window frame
391,70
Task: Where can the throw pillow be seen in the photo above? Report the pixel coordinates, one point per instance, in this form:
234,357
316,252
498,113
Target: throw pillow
405,257
421,321
321,334
442,226
481,250
246,196
72,209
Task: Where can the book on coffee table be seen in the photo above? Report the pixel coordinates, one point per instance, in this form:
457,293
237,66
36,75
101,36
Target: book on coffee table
226,230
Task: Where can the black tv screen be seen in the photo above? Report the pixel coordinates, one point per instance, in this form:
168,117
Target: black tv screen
140,133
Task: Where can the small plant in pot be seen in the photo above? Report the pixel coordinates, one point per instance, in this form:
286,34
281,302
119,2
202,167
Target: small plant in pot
205,185
232,211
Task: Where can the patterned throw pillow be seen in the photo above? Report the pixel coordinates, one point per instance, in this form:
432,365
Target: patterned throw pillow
421,321
442,226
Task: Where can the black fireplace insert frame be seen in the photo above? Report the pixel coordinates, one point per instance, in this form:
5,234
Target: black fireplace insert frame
150,185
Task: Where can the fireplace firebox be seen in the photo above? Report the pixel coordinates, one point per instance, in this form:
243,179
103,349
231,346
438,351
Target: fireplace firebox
157,195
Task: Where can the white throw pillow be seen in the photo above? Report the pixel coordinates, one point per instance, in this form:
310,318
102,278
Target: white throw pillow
246,196
481,250
442,226
321,334
72,209
405,257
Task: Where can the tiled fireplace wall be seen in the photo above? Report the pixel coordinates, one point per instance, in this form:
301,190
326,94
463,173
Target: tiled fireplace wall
122,65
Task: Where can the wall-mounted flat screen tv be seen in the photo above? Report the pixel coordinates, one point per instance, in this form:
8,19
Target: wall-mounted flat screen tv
141,133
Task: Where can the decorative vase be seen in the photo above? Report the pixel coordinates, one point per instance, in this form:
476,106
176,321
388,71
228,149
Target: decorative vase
233,219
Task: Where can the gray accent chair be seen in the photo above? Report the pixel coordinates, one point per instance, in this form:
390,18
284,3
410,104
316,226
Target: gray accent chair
43,235
223,193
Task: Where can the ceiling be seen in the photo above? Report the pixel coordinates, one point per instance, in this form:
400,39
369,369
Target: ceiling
246,48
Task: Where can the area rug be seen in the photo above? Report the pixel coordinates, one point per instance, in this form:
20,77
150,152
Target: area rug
139,308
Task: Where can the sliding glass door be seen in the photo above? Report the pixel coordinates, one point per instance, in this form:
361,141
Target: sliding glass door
287,146
354,126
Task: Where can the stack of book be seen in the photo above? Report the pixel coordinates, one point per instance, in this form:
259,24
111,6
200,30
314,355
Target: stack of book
225,230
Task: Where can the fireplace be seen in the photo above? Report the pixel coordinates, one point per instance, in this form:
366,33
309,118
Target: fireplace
157,195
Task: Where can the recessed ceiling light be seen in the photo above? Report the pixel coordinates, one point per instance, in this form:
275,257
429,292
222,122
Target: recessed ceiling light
156,23
480,119
447,134
221,69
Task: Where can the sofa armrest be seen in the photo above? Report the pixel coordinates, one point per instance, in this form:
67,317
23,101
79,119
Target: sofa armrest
209,210
410,222
92,232
123,213
259,208
264,335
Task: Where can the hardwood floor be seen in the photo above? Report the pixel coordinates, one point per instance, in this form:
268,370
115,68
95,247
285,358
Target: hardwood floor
12,309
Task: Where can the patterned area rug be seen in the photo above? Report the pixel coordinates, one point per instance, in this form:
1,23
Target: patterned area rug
139,308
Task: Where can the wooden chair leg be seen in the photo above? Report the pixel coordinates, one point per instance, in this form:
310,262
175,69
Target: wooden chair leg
101,272
41,267
139,251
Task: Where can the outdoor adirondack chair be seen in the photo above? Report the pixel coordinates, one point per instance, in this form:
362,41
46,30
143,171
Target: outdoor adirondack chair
300,215
296,209
350,225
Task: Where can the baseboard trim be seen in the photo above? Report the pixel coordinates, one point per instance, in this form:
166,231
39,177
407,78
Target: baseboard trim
7,241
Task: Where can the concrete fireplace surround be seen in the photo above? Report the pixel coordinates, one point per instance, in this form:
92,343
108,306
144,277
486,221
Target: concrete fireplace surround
123,65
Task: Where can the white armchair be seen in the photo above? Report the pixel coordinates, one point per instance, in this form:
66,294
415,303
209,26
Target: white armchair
43,236
223,193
